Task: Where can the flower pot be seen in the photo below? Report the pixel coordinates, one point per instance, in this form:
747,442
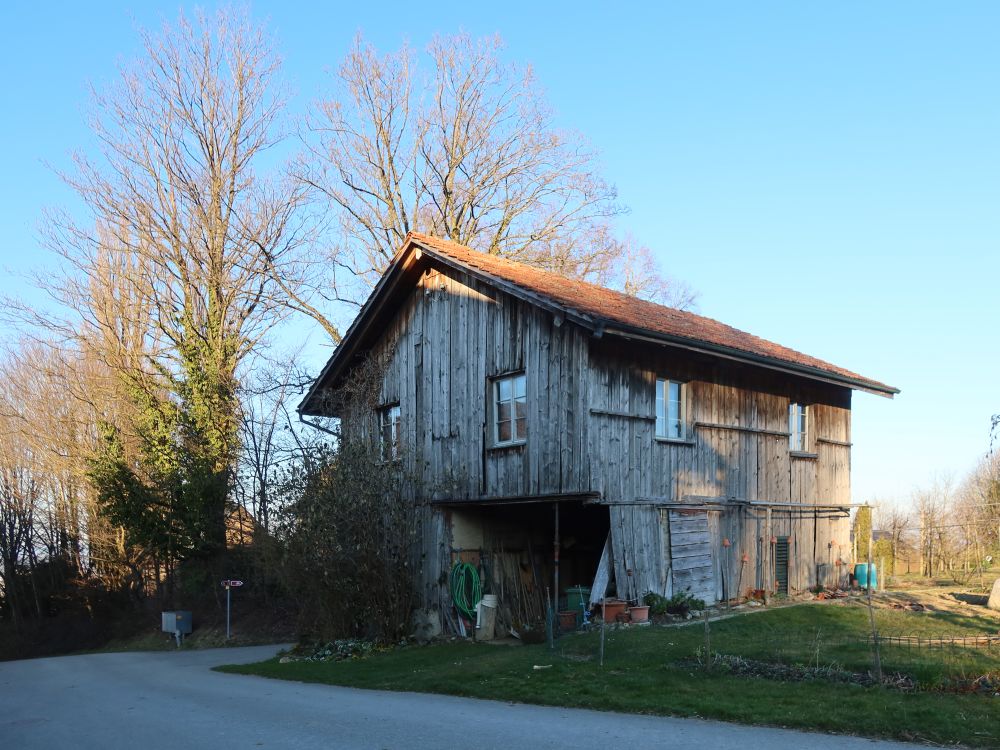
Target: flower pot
567,620
613,610
639,614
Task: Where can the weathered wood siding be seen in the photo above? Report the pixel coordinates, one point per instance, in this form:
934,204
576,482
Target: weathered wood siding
591,425
737,446
451,337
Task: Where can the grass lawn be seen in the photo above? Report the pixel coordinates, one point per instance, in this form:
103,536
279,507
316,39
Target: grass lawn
642,675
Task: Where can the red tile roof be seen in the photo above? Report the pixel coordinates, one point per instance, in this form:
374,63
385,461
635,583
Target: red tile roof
615,309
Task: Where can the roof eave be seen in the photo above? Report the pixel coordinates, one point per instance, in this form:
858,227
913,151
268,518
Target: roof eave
813,373
351,338
413,250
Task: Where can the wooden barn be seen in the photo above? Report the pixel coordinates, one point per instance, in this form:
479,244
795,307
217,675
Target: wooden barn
550,429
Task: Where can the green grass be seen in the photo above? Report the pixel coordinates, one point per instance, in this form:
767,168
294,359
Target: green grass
641,674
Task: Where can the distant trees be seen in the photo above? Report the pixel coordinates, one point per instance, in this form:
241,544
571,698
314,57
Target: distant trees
947,529
144,401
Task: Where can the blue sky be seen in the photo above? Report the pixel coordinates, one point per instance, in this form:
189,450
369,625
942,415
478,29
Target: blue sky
826,175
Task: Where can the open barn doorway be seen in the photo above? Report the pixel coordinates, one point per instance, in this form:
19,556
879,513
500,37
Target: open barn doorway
527,554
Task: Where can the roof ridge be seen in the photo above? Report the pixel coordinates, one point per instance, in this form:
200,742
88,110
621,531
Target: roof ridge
644,314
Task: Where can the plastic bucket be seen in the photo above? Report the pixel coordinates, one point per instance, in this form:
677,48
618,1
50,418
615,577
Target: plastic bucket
488,600
486,617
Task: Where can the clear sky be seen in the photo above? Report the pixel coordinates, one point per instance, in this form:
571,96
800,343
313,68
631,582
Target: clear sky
826,175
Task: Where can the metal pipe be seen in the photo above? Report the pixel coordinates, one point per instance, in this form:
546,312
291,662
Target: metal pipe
555,555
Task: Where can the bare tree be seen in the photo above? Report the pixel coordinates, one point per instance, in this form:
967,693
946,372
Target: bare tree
173,278
896,522
269,435
469,152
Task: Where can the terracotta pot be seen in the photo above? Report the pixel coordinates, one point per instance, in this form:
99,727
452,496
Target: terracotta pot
613,610
639,614
567,620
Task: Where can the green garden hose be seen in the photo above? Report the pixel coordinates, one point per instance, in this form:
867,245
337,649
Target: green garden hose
466,590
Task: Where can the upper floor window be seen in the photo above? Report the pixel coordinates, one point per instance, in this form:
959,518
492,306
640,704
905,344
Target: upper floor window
671,398
389,432
510,410
798,427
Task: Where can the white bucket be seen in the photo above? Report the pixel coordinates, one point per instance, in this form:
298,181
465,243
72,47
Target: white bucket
486,617
488,600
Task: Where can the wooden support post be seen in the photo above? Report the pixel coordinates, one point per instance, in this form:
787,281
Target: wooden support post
766,568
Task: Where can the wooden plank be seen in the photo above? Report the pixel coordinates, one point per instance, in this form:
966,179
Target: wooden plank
690,552
691,563
602,578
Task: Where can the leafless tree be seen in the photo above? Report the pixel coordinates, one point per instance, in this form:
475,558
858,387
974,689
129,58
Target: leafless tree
171,279
896,522
269,435
468,151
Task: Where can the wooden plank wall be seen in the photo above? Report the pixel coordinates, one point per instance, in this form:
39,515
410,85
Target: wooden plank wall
691,554
591,406
639,556
737,448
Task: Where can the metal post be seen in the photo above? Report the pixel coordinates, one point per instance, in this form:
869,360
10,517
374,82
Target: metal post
555,558
228,589
604,623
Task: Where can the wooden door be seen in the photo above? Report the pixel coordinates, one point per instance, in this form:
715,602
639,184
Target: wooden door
691,554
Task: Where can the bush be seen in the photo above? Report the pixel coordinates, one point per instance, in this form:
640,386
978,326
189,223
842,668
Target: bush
680,603
350,537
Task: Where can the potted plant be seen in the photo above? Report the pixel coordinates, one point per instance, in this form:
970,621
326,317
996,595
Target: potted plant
639,613
613,610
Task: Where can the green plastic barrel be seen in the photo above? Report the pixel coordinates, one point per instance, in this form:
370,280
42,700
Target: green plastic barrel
866,575
578,598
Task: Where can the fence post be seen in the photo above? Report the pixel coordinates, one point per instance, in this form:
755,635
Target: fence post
708,643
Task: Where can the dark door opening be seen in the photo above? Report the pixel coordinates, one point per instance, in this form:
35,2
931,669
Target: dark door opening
513,547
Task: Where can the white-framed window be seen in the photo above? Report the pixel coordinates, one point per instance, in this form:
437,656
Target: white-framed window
388,428
671,408
510,410
798,427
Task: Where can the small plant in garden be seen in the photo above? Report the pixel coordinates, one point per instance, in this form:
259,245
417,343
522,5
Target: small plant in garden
337,650
680,603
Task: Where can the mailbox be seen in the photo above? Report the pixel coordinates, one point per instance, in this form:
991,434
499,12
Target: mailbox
176,622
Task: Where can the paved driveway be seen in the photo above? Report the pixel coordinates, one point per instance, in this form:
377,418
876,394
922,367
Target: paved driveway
149,701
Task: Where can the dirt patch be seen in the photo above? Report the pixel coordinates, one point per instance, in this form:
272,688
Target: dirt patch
929,599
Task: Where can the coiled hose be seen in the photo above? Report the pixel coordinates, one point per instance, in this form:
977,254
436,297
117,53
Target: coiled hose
466,590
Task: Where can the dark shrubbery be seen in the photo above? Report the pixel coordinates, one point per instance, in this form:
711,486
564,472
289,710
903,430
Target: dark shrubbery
679,604
349,538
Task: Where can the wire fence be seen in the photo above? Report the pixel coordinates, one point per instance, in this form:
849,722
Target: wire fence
930,659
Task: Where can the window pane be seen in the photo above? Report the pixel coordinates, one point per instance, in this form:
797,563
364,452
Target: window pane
503,411
520,409
503,431
675,429
674,390
519,386
521,429
503,389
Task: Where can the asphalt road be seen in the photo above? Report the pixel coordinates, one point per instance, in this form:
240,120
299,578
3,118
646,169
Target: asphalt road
149,701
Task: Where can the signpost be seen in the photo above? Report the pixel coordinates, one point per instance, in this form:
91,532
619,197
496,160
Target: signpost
229,584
